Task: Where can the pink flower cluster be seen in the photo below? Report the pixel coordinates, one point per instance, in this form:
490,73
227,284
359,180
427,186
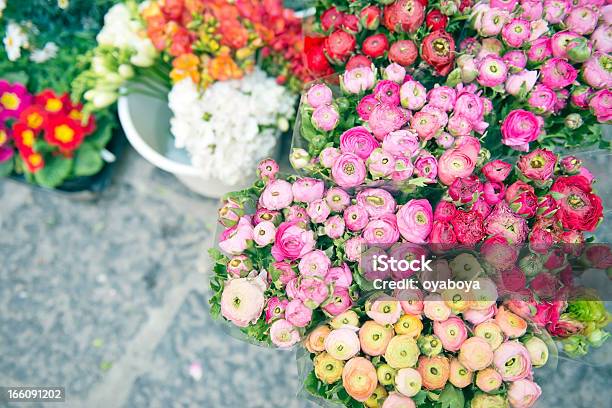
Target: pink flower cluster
400,125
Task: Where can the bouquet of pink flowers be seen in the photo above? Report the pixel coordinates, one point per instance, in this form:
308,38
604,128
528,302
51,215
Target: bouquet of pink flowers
546,67
390,129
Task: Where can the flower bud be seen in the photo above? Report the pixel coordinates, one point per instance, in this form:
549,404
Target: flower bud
379,394
299,158
346,319
573,121
386,374
430,345
598,337
576,346
126,71
579,50
230,213
538,351
239,266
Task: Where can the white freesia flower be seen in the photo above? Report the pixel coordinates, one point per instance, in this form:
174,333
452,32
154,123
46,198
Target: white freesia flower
232,125
49,51
125,31
14,40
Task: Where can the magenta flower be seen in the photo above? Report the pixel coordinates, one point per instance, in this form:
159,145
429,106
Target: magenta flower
414,220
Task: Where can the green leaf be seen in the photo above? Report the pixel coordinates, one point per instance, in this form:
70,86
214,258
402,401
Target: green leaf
87,160
13,77
451,397
6,167
102,135
56,170
419,398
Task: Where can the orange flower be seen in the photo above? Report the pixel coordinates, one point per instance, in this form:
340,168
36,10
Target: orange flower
185,65
223,68
359,378
233,34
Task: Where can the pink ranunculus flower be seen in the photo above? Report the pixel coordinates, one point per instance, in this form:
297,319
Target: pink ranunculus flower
556,10
502,220
339,302
602,37
349,170
337,199
442,97
312,291
395,72
397,400
452,332
376,202
542,99
540,50
264,232
516,32
318,211
235,240
439,114
582,20
242,300
411,301
286,272
520,128
445,211
532,9
523,393
319,95
493,192
414,220
275,309
508,5
283,334
434,308
358,80
385,119
328,156
475,354
497,170
296,213
297,313
477,316
559,42
488,380
470,106
425,124
596,71
601,105
403,170
315,263
426,166
454,163
492,21
358,140
356,217
334,227
492,71
380,163
342,344
387,92
459,125
366,105
521,82
538,29
538,165
382,231
307,189
445,140
339,276
413,95
325,118
402,143
277,195
557,73
512,361
293,240
353,248
516,60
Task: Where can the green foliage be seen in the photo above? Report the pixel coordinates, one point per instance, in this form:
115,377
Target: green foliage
56,170
6,167
87,160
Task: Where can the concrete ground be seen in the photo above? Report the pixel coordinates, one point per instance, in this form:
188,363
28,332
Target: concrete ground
109,299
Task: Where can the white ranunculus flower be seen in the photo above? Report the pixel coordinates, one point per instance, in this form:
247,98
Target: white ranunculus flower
231,125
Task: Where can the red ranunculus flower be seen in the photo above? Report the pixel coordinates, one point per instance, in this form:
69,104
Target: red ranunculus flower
350,24
579,208
316,62
358,61
65,133
404,16
435,20
370,17
375,45
339,45
438,50
468,227
403,52
331,19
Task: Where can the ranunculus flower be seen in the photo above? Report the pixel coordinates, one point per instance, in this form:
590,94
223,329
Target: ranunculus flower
540,50
454,163
502,220
493,193
402,352
601,105
339,302
325,118
538,165
327,369
408,382
404,16
520,128
296,213
297,313
452,332
490,332
334,226
366,105
277,195
542,99
442,97
380,163
356,217
579,208
358,80
523,393
374,338
538,351
340,276
376,201
331,19
314,263
556,10
438,50
387,91
482,400
512,325
374,46
492,71
315,342
516,60
395,72
413,95
491,22
459,376
496,170
557,73
488,380
328,156
582,20
402,143
435,308
475,354
445,211
403,52
596,71
512,361
516,32
319,95
414,220
370,17
468,227
384,310
342,344
434,371
307,189
283,334
264,233
410,325
559,42
346,320
601,38
349,170
358,140
359,378
385,119
318,210
382,231
396,400
521,82
311,290
337,199
339,45
239,266
411,301
235,240
292,241
242,300
442,236
459,125
426,166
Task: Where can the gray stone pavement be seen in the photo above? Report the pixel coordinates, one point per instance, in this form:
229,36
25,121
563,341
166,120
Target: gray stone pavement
109,299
